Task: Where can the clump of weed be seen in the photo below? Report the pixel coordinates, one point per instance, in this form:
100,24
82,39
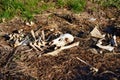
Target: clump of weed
74,5
23,8
109,3
10,8
27,8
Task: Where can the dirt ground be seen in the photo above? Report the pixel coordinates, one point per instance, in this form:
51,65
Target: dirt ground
22,63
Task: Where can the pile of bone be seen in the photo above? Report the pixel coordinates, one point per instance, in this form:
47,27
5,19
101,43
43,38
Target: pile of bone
37,42
107,41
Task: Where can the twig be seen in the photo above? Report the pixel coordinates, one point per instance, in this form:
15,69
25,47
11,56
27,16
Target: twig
54,53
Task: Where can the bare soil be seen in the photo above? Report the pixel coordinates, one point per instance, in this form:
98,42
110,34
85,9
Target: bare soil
21,63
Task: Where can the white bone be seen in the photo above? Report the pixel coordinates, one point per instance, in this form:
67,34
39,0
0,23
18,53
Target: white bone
33,34
92,19
31,44
115,42
96,33
18,43
108,47
43,35
55,53
61,41
30,23
37,46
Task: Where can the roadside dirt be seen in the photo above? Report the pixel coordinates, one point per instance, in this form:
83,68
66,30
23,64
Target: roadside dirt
22,63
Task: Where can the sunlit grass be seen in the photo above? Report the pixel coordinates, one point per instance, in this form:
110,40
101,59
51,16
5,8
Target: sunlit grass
27,8
23,8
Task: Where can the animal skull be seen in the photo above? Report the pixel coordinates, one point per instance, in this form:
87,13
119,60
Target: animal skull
63,40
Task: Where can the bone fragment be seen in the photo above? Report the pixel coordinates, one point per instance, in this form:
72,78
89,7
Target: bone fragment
96,33
113,41
92,19
30,23
37,46
33,34
18,43
93,68
43,35
33,46
108,47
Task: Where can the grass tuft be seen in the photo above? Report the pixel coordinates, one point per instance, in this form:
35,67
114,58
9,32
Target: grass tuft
109,3
27,8
74,5
23,8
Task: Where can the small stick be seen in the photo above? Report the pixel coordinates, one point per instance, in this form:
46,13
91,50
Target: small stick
95,69
54,53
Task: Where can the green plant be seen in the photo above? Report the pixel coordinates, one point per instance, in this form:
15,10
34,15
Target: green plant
23,8
61,3
27,8
109,3
75,5
46,6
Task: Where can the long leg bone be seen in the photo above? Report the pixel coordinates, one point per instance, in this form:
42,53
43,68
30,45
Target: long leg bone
54,53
